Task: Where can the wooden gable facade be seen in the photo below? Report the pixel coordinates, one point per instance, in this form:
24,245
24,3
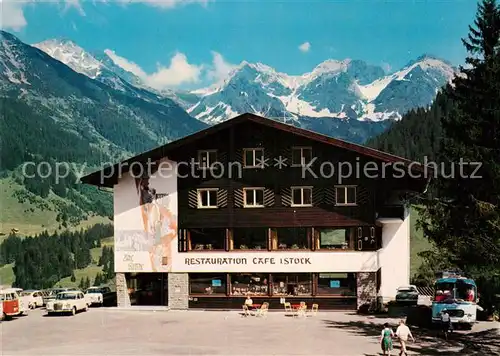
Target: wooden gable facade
228,142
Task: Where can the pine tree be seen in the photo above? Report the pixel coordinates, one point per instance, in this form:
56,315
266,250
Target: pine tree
81,285
87,283
465,220
97,280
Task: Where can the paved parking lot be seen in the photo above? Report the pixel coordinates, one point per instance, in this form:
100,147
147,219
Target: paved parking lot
116,332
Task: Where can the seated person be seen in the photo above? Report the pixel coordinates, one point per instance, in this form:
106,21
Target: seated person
249,301
470,295
440,296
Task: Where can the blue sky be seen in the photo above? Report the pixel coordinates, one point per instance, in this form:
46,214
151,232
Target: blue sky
197,42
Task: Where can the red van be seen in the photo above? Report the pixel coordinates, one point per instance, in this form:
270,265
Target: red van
10,303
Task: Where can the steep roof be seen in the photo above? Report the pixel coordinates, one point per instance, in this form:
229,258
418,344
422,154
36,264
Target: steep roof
162,151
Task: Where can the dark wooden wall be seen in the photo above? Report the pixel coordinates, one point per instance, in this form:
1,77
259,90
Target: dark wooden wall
230,143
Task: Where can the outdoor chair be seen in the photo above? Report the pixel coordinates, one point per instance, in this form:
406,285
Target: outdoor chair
314,310
262,311
288,308
301,310
246,311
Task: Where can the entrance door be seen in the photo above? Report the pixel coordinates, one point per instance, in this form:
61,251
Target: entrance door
148,288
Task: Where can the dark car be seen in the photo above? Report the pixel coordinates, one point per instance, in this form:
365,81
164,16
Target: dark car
407,295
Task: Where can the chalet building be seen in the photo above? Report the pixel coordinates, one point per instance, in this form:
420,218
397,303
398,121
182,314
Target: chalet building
255,207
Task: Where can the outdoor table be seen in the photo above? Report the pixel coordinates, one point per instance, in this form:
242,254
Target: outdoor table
256,306
295,306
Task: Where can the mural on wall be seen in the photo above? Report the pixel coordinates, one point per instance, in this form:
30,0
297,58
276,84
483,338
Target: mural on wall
146,232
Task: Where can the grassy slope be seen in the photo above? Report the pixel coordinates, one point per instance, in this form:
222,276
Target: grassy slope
6,275
14,214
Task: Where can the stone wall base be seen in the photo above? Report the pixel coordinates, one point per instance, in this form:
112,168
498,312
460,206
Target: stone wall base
178,291
367,289
122,296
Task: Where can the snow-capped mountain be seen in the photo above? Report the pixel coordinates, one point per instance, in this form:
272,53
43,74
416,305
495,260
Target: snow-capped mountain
101,117
101,67
349,89
348,99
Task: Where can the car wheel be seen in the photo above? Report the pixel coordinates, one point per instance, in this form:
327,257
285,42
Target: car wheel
73,311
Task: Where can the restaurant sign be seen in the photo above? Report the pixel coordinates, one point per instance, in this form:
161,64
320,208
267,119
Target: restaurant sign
275,262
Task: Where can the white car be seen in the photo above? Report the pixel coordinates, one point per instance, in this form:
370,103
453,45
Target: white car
95,295
67,302
34,298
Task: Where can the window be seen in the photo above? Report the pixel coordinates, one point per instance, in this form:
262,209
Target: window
249,284
207,198
340,284
292,284
333,239
206,239
301,156
345,195
292,238
250,238
206,158
253,197
301,196
207,283
253,158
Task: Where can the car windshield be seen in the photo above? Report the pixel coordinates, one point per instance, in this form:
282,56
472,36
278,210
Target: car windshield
406,289
26,294
66,296
94,290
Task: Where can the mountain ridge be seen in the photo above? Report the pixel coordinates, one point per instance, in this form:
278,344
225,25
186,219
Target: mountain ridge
348,89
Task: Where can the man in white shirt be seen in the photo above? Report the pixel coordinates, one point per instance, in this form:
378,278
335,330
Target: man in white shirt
445,321
403,333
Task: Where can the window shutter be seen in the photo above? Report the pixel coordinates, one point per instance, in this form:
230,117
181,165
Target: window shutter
329,196
193,199
317,196
286,197
238,155
268,197
238,198
362,195
222,158
222,198
286,155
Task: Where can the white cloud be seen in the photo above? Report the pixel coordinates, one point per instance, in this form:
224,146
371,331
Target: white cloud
167,4
11,15
12,11
305,47
180,71
219,69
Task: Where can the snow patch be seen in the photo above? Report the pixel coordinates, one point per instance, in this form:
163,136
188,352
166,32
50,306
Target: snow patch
73,56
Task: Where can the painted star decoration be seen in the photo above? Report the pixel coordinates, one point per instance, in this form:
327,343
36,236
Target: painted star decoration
280,162
262,162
